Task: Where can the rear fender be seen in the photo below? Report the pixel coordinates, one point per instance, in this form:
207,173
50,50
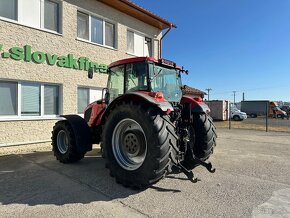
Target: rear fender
81,132
163,105
196,104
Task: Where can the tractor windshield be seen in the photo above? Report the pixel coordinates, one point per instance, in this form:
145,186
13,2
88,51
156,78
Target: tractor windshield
166,80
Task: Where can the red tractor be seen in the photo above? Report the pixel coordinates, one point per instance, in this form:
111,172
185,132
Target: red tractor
145,126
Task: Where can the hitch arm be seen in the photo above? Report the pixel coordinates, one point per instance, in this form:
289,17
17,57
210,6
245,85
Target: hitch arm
208,165
189,174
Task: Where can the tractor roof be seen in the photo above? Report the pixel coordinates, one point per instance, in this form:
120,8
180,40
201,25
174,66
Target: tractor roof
139,59
132,60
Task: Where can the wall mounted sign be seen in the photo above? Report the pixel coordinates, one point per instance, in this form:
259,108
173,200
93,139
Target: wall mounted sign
25,53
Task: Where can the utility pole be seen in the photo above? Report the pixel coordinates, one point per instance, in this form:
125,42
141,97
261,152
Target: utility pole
208,90
234,96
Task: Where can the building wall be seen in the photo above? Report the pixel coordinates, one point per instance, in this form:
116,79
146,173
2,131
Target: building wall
11,35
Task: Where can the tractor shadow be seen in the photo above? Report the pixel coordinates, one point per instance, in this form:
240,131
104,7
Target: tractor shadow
38,179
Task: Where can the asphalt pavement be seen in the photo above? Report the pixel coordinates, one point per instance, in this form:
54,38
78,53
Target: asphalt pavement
252,179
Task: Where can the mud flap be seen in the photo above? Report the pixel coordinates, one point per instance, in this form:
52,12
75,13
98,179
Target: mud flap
81,131
200,108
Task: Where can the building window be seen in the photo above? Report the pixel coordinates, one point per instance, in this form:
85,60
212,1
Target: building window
51,16
30,100
109,34
83,99
83,26
8,96
25,99
51,99
43,14
138,44
95,30
87,96
8,9
130,42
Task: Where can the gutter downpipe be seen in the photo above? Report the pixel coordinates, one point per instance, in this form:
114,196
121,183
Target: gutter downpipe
160,50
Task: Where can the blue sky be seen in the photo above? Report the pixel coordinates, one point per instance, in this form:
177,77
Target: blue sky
230,45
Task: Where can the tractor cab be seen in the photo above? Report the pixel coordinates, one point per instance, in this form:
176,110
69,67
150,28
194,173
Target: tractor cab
145,75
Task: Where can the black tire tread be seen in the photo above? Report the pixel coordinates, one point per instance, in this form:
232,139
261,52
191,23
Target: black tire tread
72,155
162,153
205,136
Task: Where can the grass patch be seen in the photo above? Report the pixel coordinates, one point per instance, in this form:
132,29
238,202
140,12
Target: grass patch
241,125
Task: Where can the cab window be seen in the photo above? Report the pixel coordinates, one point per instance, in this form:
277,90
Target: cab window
116,81
137,76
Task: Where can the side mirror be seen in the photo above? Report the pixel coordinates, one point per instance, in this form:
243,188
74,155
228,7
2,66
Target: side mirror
91,73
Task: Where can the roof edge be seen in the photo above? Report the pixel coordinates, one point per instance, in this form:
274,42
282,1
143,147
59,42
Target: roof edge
132,9
134,5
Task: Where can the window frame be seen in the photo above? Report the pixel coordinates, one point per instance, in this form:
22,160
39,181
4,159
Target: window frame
104,21
144,39
41,18
19,116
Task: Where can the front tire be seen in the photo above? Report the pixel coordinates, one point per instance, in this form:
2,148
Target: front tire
253,115
138,144
236,118
64,144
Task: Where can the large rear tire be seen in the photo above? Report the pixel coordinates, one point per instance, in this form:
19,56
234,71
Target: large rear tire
138,144
202,136
205,136
64,144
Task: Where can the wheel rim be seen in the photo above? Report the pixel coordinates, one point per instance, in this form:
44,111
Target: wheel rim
129,144
62,142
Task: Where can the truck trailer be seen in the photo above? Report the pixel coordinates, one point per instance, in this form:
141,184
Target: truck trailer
263,108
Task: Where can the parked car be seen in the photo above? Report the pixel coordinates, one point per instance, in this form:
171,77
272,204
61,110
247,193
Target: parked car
237,115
